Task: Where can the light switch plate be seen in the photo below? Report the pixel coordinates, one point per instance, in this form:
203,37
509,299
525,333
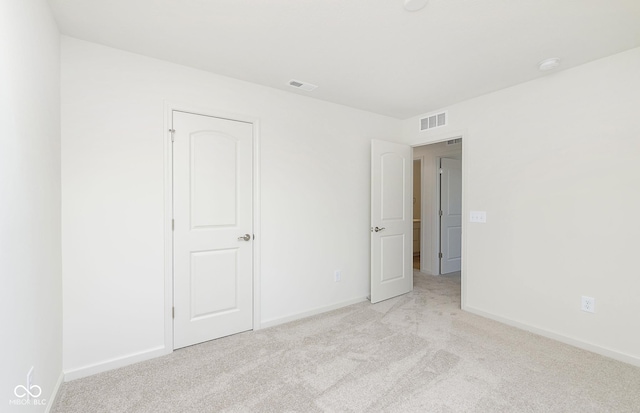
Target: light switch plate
478,216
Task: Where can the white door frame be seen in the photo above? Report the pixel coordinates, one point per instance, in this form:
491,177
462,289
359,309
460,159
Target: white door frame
438,219
168,211
422,198
436,213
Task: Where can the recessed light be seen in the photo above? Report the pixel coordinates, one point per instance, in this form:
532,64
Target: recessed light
414,5
549,64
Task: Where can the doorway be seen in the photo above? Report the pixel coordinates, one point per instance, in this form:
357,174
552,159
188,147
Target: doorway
430,240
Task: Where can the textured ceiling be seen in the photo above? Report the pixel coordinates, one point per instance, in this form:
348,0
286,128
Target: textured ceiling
368,54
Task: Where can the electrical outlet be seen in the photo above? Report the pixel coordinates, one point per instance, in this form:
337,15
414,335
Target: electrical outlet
337,275
588,304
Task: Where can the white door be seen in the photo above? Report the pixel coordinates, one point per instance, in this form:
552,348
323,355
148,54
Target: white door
450,215
212,208
391,220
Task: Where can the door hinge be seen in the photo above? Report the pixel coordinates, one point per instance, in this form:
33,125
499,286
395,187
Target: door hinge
440,255
440,212
173,225
440,171
173,312
173,131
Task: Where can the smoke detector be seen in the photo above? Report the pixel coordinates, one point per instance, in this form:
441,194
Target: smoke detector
549,64
307,87
414,5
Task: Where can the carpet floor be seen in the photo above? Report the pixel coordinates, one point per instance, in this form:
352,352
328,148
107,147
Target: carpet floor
414,353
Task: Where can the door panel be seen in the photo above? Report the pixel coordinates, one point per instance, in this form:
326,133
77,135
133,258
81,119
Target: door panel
392,259
213,207
391,214
214,179
392,189
214,282
451,218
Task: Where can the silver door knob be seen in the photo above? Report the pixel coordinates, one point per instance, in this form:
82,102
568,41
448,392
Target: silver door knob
376,229
246,237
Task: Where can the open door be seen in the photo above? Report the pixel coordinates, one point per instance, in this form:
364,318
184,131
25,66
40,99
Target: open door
391,220
450,215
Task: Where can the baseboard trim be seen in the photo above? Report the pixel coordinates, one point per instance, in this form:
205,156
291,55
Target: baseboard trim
427,272
594,348
115,363
118,362
54,394
319,310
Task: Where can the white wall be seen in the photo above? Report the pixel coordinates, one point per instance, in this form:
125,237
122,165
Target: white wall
555,163
30,264
430,247
314,185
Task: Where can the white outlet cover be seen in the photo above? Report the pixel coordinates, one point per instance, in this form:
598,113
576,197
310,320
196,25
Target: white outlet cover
588,304
478,216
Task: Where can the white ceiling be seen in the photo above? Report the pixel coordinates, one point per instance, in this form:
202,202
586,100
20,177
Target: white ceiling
368,54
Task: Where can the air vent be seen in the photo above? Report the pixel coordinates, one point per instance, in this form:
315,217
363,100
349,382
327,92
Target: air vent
455,141
308,87
433,121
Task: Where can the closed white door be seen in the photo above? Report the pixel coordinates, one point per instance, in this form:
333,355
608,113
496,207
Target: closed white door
213,228
391,220
450,215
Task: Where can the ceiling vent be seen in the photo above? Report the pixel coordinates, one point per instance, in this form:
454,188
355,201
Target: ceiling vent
455,141
433,121
308,87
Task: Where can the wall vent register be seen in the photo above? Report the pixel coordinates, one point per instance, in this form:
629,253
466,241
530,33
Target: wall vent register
433,121
307,87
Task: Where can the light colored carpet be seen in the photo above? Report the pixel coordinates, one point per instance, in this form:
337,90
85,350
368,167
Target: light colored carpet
415,353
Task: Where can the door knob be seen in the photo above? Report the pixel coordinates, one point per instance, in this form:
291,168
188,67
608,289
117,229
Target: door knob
376,229
245,237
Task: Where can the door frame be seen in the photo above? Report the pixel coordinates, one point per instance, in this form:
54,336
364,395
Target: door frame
422,141
168,210
422,198
436,212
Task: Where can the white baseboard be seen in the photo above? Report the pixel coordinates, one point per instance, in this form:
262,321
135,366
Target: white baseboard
118,362
427,272
305,314
54,394
603,351
115,363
